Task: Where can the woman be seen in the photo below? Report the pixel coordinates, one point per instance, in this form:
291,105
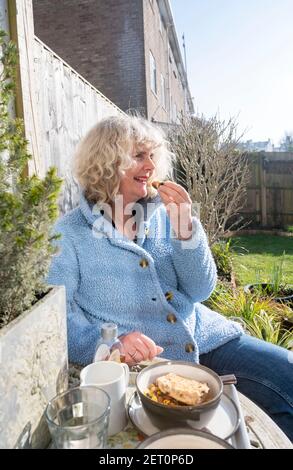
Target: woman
136,256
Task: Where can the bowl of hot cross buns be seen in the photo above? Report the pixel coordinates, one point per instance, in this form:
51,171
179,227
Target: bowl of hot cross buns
179,391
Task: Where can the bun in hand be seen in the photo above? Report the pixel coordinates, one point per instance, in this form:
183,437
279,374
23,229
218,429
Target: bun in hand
157,184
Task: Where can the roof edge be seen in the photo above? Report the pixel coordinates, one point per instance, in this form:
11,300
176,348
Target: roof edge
167,15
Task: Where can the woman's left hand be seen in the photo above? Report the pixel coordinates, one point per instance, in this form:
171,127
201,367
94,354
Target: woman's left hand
139,347
178,205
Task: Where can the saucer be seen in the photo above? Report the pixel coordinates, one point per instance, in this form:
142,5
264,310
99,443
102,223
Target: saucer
223,424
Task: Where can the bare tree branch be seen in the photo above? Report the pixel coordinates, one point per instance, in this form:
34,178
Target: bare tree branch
213,170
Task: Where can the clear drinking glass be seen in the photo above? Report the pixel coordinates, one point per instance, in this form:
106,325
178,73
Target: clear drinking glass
79,418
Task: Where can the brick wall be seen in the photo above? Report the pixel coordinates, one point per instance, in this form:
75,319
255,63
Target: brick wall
102,40
109,43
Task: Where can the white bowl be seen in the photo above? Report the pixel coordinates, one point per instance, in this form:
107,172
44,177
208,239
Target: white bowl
203,411
180,438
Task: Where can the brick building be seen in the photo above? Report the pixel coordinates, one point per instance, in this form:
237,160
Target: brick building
128,49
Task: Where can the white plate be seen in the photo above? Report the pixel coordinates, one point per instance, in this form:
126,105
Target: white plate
223,424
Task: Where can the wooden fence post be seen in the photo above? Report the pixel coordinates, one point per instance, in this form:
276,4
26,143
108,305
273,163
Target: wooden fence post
22,33
263,191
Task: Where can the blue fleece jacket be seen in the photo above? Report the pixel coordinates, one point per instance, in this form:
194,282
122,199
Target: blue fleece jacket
154,285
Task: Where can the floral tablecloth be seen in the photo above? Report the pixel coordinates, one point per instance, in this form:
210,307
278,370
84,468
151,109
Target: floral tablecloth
127,439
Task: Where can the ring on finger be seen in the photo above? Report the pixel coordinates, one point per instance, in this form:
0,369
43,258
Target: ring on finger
133,356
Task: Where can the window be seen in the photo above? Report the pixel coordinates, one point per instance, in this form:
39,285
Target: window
163,92
153,73
171,58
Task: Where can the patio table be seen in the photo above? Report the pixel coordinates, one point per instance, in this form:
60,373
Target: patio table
263,432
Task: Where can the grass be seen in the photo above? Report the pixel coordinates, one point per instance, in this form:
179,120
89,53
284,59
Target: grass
255,256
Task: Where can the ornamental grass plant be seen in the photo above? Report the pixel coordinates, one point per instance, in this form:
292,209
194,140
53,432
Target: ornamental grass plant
261,317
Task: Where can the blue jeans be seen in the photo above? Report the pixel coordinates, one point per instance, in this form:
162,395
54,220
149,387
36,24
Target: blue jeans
264,373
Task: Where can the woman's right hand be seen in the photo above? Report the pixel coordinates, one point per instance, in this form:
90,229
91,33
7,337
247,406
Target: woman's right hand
139,347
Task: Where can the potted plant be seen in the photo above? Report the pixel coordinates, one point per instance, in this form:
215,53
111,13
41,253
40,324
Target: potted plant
33,342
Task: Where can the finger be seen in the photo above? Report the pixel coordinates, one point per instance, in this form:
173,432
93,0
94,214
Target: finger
134,334
129,343
178,188
170,192
150,344
143,349
132,354
134,359
167,199
159,350
130,348
174,196
176,208
171,207
129,339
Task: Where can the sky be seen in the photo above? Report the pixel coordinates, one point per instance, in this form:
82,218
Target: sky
240,62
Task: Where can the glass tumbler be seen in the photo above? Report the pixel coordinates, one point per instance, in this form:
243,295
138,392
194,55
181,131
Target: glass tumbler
79,418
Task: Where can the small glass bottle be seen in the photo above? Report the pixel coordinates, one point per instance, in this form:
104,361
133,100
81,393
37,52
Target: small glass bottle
109,347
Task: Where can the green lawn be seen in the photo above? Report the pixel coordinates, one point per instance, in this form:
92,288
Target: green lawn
256,260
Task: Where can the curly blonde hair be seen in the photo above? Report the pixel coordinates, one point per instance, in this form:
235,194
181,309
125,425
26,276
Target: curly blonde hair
106,152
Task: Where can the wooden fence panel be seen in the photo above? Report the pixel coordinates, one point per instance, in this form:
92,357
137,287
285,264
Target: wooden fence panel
269,201
68,107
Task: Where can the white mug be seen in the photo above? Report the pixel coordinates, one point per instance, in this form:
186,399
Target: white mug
113,378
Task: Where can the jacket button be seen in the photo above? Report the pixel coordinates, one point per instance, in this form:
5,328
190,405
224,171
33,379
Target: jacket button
171,318
143,263
169,296
146,231
189,347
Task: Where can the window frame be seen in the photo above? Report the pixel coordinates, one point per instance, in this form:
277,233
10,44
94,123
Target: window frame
153,73
161,26
163,92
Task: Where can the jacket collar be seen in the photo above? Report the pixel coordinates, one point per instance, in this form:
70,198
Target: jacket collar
145,210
